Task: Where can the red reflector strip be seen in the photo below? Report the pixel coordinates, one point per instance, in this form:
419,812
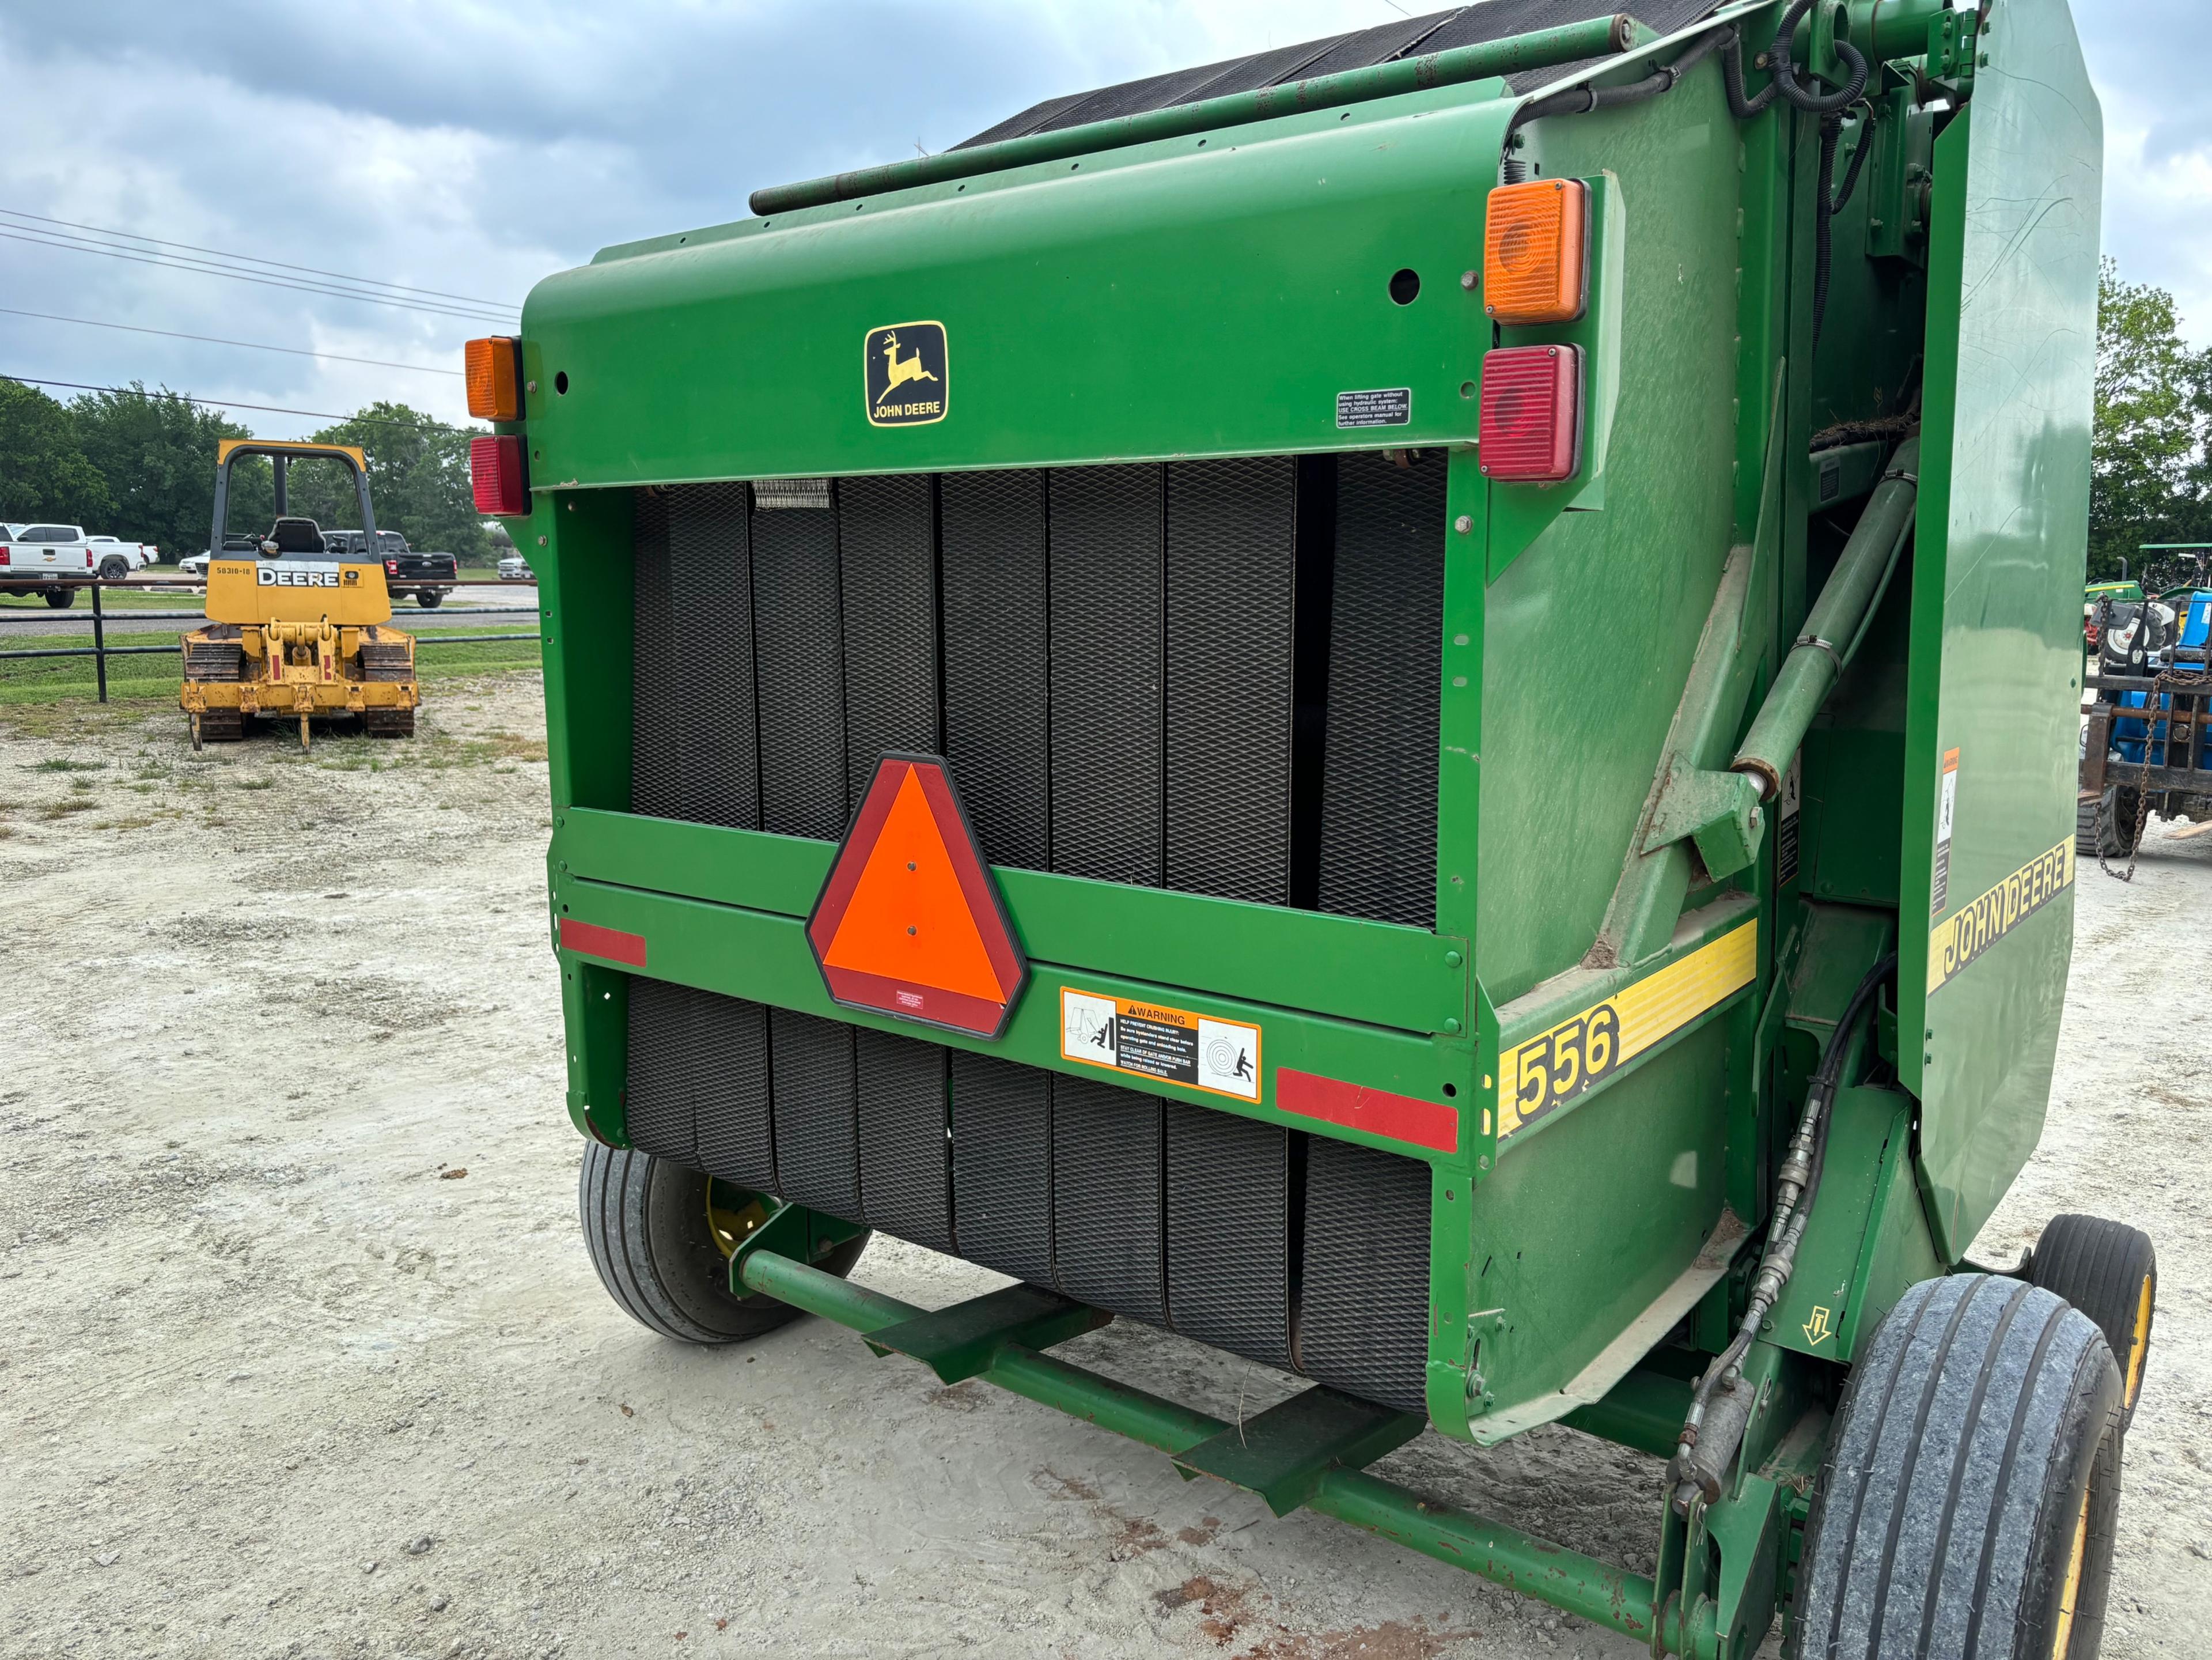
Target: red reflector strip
593,940
496,476
1531,430
1372,1111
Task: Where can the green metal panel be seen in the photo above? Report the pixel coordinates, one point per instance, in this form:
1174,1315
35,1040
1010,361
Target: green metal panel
1189,297
1406,978
1996,599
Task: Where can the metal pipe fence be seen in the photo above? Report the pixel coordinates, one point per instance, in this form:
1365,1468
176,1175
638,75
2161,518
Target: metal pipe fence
100,651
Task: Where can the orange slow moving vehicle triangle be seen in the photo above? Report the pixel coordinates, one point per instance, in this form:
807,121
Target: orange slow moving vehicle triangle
908,921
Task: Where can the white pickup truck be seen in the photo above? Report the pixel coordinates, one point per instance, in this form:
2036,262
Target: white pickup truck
35,555
115,559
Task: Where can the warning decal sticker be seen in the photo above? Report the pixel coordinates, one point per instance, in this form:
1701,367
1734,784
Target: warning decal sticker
1153,1041
1392,406
1538,1076
1946,806
1956,942
904,369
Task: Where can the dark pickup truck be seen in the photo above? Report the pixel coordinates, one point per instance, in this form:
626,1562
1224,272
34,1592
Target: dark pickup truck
404,567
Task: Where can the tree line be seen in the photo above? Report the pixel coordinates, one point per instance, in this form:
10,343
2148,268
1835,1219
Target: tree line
140,464
2151,454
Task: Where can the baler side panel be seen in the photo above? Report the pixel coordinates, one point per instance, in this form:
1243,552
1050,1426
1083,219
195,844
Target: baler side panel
1996,618
1590,633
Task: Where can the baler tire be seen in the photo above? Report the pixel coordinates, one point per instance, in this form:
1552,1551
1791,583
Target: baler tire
644,1219
2109,1271
1967,1500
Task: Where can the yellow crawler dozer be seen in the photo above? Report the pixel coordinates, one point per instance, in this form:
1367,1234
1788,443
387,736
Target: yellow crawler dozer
297,630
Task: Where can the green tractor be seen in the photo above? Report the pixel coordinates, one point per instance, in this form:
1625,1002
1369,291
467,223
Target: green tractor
1407,705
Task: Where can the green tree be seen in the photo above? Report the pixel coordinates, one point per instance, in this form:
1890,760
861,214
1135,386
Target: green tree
157,452
2150,479
44,471
418,476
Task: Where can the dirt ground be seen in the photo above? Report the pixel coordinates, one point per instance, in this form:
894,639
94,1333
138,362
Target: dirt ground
300,1352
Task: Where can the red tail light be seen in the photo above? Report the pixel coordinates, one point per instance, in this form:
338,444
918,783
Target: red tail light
1532,398
391,568
495,471
4,556
87,558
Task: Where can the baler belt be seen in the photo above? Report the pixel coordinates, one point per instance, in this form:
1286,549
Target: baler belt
1228,1232
905,1171
1363,1315
1230,559
693,746
698,1081
817,1149
1106,642
887,560
800,673
1378,819
1002,1165
997,732
1106,1219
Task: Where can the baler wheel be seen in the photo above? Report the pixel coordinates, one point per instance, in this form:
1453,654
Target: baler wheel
661,1234
1967,1503
2109,1271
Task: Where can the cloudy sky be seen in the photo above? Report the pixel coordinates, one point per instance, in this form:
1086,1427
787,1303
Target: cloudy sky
464,149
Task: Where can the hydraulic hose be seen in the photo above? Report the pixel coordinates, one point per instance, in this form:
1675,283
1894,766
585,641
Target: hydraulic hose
1720,1408
1581,101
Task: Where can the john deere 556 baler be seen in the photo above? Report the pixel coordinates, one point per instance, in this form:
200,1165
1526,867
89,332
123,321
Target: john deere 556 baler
1406,706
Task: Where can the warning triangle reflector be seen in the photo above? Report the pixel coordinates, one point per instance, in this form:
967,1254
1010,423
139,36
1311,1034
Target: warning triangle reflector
909,921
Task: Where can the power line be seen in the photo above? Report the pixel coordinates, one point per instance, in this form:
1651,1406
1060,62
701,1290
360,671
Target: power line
210,339
277,264
201,268
265,408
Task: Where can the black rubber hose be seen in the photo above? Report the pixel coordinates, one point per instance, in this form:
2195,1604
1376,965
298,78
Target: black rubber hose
1583,99
1780,66
1826,205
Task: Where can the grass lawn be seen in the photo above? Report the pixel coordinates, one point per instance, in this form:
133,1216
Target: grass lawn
49,679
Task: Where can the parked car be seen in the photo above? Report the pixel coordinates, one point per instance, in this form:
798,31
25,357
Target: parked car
35,556
238,544
115,559
515,568
404,567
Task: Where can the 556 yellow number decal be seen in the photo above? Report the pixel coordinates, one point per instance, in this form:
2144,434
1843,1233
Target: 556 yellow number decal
1540,1073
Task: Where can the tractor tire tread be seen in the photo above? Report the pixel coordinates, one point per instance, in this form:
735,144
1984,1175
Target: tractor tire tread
2099,1267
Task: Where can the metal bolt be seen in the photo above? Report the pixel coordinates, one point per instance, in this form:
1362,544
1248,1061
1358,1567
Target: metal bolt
1463,524
530,386
909,928
1469,281
541,541
1451,1023
910,864
1451,959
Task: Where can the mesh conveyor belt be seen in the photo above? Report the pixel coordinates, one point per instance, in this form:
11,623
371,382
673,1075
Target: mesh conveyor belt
698,1081
818,1126
1378,821
1364,1318
799,639
692,716
1106,644
905,1157
1106,1220
1231,556
1493,19
1002,1165
1228,1232
997,729
887,559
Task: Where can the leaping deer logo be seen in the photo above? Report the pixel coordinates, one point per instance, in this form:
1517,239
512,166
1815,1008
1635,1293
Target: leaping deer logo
901,371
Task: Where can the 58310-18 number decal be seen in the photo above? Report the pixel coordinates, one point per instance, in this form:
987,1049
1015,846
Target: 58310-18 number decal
1540,1074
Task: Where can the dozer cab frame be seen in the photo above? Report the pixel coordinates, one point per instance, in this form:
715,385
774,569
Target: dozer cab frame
297,632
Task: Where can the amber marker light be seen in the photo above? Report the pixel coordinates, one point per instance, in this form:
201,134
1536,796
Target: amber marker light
1535,251
493,378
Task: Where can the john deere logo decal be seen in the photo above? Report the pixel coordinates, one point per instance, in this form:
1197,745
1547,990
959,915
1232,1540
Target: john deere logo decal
906,372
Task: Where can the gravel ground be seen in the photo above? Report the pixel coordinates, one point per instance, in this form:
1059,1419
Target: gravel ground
300,1352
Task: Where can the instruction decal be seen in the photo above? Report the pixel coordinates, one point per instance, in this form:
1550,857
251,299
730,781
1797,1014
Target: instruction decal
905,371
1392,406
1785,829
1947,802
1542,1074
1151,1040
1957,941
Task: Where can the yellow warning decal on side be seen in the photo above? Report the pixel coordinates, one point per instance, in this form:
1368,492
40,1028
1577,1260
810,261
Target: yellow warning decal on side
1538,1076
1972,929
